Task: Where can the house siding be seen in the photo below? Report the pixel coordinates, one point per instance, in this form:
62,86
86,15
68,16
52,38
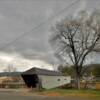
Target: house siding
49,82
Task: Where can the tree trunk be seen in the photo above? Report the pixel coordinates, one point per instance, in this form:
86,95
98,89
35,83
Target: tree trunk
78,82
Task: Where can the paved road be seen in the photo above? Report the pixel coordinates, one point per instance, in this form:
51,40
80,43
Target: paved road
10,95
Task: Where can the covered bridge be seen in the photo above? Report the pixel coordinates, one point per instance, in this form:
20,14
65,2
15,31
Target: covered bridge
40,78
43,78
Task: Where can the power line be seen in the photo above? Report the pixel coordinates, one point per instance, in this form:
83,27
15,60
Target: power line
41,24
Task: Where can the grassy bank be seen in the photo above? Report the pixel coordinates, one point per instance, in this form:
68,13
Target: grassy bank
92,94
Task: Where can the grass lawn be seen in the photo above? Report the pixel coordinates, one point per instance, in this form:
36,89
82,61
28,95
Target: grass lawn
92,94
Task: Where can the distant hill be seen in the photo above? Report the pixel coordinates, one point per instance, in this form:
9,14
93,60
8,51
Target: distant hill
94,69
91,68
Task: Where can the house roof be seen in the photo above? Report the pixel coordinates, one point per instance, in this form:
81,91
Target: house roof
10,74
39,71
31,71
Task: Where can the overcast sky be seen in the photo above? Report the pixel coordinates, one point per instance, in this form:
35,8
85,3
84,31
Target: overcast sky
21,16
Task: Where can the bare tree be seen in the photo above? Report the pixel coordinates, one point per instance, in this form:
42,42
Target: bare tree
74,39
10,68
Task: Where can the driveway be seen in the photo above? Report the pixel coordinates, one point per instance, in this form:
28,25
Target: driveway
17,95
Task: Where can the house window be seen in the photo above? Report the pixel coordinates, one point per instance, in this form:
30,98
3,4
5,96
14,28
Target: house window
58,79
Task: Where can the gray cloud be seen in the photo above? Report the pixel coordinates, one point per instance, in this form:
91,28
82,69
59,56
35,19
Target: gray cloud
19,16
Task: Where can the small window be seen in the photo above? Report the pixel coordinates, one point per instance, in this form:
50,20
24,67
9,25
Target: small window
65,79
58,79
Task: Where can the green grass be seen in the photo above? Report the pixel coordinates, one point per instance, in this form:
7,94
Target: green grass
84,93
73,90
